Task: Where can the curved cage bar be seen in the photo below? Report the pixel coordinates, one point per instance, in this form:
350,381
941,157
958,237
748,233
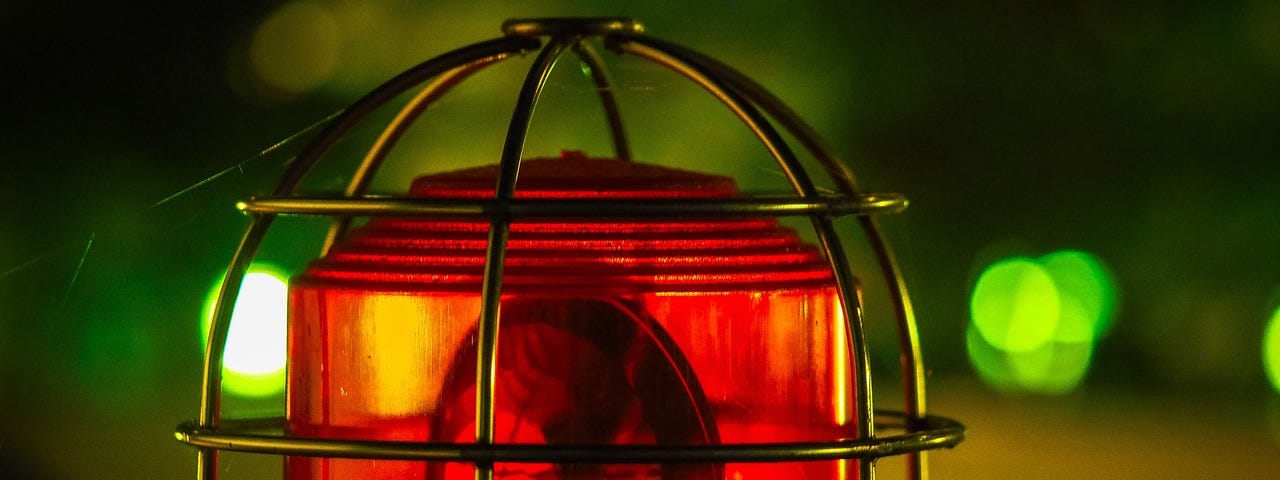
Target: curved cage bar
912,363
745,98
395,130
499,231
823,225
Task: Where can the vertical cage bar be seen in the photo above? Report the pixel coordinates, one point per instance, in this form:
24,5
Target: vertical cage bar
220,325
499,230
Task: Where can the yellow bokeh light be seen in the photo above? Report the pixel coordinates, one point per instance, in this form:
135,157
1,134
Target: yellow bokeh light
295,50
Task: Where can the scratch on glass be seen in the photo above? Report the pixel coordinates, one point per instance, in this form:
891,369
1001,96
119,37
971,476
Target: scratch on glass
80,266
237,167
49,253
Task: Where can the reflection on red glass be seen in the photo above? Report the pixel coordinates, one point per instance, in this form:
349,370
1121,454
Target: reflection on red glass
630,332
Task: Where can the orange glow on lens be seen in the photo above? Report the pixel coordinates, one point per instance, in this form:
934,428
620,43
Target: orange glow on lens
624,332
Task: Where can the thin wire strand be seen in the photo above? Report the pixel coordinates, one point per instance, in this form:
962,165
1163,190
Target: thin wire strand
92,236
239,166
604,87
79,266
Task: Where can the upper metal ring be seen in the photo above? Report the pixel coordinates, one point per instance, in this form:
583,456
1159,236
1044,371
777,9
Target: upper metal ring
589,26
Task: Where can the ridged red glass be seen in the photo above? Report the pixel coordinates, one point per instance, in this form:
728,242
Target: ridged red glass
668,331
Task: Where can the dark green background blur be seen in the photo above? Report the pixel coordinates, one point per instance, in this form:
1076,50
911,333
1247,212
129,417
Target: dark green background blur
1146,133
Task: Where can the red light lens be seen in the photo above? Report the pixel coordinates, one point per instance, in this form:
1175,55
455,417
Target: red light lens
675,332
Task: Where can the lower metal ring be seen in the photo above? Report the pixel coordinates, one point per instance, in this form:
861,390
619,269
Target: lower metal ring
932,432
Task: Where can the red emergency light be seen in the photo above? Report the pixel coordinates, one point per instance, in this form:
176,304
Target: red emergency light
575,317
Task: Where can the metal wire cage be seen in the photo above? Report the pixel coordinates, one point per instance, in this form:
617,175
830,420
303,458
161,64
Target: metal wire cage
911,431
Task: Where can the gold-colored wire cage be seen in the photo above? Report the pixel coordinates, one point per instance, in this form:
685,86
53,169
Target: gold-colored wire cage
914,432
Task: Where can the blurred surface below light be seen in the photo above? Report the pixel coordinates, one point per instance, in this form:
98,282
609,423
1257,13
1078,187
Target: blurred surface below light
255,354
295,50
1271,350
1052,369
991,364
1035,322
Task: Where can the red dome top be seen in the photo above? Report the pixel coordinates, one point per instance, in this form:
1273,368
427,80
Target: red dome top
575,255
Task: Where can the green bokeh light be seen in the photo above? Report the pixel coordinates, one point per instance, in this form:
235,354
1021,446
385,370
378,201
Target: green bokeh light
1015,305
1035,322
1054,368
1271,350
253,365
1086,293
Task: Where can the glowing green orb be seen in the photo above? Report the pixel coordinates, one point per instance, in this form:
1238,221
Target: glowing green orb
1271,350
1086,293
1034,323
1015,305
254,358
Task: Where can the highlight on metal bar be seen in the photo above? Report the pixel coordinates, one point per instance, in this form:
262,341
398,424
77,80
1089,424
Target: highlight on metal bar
499,230
846,284
604,85
861,205
255,437
560,26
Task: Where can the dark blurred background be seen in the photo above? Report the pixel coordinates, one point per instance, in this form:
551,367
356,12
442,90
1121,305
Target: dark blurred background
1092,245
